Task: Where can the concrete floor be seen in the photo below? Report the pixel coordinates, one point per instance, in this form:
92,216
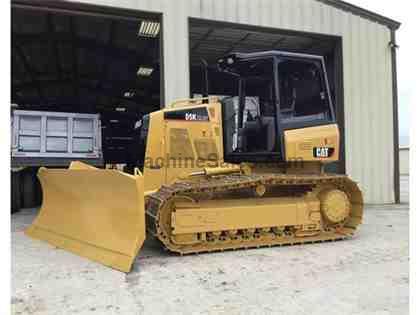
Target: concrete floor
366,275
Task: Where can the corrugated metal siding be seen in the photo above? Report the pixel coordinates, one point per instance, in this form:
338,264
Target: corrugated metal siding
405,161
367,69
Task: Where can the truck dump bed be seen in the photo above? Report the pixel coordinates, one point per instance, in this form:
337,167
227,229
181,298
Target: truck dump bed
42,138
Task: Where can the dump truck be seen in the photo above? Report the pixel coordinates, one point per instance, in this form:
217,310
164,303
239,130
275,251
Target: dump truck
53,139
244,171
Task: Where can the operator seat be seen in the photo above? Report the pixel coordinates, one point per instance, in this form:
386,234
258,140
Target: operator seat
259,135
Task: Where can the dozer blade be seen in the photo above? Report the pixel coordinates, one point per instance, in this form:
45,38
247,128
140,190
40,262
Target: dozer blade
95,213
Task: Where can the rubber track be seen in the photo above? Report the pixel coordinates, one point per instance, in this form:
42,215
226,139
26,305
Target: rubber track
159,201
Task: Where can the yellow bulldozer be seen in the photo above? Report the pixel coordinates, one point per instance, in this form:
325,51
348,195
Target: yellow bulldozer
238,172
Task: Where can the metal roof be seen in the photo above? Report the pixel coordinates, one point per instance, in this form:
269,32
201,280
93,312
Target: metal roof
211,42
80,60
343,5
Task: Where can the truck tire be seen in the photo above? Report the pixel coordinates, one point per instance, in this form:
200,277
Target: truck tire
15,189
29,188
38,191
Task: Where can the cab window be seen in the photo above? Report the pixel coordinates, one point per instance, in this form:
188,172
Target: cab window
303,93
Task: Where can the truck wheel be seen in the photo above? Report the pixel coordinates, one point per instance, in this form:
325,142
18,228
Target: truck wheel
30,188
15,189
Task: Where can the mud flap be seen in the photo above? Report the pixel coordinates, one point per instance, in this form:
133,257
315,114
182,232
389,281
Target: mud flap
95,213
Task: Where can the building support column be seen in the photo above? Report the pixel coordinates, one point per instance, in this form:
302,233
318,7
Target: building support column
176,66
394,47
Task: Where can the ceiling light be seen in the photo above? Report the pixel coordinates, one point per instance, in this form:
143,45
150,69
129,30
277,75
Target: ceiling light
129,94
114,121
144,71
138,124
149,29
120,109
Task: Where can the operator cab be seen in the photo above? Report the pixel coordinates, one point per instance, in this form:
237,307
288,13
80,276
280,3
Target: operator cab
277,91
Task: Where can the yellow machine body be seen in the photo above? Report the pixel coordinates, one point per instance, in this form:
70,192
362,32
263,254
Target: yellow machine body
301,143
195,202
176,148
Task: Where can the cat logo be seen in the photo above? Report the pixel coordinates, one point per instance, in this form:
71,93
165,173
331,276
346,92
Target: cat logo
323,152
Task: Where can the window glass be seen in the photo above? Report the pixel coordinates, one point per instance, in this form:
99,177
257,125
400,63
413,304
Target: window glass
250,124
303,93
251,110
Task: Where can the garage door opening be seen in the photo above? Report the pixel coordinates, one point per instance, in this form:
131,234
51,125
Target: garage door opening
86,59
211,40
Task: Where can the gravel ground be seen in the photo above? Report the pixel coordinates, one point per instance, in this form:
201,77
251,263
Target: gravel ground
366,275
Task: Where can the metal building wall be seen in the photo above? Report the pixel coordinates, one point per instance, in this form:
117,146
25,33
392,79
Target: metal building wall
405,161
367,69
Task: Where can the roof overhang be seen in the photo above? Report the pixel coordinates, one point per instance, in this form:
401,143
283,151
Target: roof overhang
392,24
